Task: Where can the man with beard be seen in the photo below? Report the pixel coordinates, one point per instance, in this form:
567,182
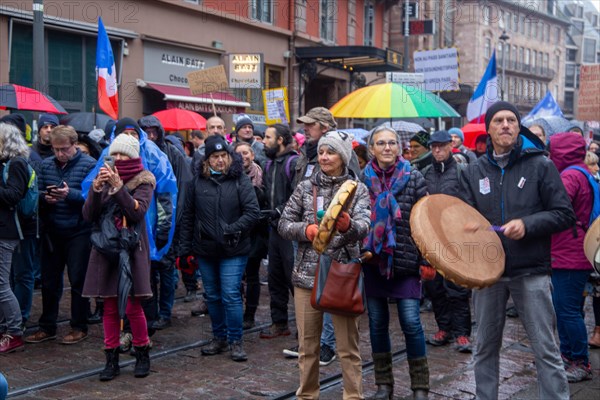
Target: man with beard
278,180
42,146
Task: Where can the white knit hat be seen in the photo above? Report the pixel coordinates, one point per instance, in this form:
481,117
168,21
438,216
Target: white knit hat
340,142
125,144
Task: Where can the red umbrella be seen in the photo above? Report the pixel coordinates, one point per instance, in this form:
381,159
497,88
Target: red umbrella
471,132
176,119
17,97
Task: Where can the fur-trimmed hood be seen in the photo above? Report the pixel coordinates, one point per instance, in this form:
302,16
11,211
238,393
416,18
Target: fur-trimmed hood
144,177
235,170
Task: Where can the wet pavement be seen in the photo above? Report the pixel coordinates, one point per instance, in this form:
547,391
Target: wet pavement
52,370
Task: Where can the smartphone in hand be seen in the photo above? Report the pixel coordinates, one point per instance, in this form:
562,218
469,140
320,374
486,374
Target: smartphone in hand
110,161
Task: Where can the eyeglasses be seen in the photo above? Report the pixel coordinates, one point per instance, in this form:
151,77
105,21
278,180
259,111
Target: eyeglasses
62,149
382,144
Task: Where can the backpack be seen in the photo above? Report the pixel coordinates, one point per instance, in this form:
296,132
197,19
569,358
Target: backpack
595,213
288,164
28,205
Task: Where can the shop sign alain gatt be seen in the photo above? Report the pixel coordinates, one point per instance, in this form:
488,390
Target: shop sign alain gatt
171,64
246,71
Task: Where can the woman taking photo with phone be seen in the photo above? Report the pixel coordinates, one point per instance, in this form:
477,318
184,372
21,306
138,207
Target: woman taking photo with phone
121,194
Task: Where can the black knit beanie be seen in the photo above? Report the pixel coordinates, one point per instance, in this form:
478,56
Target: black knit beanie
422,138
500,106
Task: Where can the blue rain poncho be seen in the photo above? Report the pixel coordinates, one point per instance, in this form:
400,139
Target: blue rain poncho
158,163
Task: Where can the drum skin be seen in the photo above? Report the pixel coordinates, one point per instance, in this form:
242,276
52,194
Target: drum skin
591,244
340,202
473,260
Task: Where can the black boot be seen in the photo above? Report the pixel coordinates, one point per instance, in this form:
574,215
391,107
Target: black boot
142,361
384,378
96,317
111,369
419,378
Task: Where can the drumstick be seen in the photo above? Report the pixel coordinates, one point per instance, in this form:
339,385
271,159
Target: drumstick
474,227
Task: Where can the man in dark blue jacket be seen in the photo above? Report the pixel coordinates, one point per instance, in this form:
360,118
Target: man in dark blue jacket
518,189
67,235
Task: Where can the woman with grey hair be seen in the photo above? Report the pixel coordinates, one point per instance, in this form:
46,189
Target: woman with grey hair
13,155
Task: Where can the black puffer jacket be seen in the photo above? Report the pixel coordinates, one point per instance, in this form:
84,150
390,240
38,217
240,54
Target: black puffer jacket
219,213
528,188
444,177
407,258
278,185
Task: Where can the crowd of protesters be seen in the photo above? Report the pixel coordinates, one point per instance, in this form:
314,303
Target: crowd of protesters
212,208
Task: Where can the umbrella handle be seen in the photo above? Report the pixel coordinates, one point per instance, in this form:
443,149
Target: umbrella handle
124,222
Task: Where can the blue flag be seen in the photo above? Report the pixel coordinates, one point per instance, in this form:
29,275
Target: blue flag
547,107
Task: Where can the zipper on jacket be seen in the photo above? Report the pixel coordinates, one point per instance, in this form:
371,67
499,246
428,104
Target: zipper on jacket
502,196
274,164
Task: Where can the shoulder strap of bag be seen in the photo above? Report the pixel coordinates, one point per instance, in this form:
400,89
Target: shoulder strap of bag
315,204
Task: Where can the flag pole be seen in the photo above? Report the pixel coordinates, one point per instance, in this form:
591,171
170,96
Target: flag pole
212,101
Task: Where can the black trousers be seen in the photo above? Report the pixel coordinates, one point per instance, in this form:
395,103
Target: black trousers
58,251
450,306
281,263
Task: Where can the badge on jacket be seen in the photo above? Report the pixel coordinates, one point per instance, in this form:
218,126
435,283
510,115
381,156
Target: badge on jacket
484,185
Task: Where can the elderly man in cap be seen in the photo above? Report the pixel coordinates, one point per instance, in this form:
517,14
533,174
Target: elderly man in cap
458,137
42,146
515,187
450,302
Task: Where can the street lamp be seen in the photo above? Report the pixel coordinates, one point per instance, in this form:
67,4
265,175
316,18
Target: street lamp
503,38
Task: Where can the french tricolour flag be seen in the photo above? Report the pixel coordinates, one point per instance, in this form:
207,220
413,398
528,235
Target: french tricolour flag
485,95
108,99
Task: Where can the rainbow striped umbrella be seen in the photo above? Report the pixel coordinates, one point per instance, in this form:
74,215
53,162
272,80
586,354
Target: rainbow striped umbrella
392,100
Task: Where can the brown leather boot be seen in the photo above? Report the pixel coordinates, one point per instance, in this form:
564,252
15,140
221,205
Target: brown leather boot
594,341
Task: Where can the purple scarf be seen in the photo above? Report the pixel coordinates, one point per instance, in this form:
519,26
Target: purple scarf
384,186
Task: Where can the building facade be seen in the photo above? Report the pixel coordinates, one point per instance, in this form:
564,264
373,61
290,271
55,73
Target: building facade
156,43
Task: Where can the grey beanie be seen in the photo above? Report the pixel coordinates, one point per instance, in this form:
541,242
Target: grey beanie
340,142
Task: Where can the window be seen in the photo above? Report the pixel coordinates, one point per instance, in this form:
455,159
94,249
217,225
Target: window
572,55
577,28
551,7
488,49
557,35
548,33
262,10
589,50
369,23
518,90
533,59
516,22
569,101
534,28
486,15
514,54
570,75
555,93
529,23
546,62
328,13
508,21
507,51
594,21
527,60
521,54
500,53
579,11
557,62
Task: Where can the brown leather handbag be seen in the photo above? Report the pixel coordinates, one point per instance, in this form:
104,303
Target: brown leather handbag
338,287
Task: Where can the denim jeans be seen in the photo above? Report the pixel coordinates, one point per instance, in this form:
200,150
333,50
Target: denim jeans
328,334
22,276
222,279
10,313
163,279
568,300
532,297
410,322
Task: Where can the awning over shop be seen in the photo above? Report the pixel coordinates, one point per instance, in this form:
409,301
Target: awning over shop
180,97
353,58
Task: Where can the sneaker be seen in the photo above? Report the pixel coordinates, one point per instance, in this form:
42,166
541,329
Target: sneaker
327,355
39,337
237,352
10,344
275,330
190,296
161,324
463,345
579,371
439,339
292,352
125,342
216,346
74,337
511,312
